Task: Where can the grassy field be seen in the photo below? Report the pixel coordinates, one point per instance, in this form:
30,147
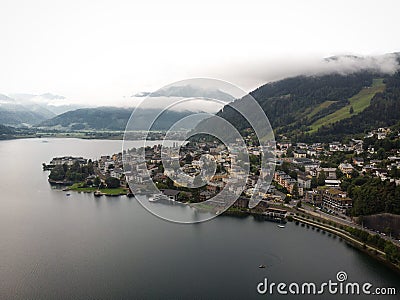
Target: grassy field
318,108
78,187
359,102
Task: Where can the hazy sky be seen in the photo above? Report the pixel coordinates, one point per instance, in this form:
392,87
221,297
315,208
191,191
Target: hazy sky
101,52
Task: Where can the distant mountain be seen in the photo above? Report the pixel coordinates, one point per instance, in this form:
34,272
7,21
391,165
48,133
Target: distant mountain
113,118
5,99
189,91
47,104
51,96
15,114
40,110
22,110
5,130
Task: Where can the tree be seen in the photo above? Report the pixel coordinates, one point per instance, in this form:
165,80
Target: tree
293,174
321,178
96,181
90,168
295,191
112,182
169,182
314,182
354,173
183,197
339,173
391,251
289,152
394,172
381,153
75,167
351,110
57,173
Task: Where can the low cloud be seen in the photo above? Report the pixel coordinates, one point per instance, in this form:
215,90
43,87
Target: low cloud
347,64
252,74
141,94
188,90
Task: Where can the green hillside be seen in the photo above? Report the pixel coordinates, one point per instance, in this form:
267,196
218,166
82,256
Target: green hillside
326,107
113,118
359,102
314,111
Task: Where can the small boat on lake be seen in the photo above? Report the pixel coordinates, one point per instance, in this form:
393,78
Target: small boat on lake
262,266
97,193
157,197
281,226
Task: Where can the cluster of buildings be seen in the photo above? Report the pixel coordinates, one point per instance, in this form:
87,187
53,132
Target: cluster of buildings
380,133
111,166
164,166
305,162
68,160
286,181
332,200
307,165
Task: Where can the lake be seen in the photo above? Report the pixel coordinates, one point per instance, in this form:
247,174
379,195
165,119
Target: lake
81,247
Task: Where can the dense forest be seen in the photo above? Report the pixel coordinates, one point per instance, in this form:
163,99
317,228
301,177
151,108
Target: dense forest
372,196
114,118
288,102
6,130
107,118
293,105
73,173
383,111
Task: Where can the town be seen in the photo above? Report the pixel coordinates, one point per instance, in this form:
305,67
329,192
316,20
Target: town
352,185
317,176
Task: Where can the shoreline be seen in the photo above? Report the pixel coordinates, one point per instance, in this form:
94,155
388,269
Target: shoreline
371,251
115,192
74,187
351,240
110,138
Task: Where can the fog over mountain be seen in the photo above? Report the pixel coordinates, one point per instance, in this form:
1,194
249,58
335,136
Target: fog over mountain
254,73
56,104
247,74
31,109
189,91
16,114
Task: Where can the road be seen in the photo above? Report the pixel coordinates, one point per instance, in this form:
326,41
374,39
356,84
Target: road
344,220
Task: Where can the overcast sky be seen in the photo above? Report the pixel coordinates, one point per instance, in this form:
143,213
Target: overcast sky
101,52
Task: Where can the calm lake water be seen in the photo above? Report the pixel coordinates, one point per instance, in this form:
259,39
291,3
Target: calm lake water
80,247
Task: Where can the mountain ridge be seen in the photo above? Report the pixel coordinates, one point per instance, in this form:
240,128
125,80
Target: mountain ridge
113,118
294,105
